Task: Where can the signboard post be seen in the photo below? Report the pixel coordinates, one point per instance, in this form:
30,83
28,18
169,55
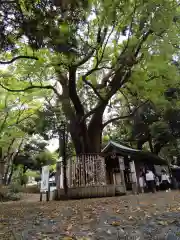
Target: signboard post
122,168
45,183
121,163
133,177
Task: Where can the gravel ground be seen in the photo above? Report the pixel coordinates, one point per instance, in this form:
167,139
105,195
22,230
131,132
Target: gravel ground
146,216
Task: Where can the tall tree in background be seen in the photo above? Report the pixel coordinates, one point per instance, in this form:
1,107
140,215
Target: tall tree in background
110,45
16,113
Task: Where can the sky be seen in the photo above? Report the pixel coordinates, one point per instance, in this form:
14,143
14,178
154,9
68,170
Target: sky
53,145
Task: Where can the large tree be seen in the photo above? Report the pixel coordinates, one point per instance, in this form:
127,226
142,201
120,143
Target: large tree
112,44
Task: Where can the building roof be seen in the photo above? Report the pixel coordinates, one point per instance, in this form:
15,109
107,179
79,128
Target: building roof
136,154
120,146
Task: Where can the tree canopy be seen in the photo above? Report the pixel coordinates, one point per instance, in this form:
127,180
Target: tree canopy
96,63
34,155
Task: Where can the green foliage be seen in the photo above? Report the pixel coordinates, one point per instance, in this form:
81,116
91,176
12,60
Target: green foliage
30,173
40,17
15,187
85,55
159,128
44,158
34,155
7,194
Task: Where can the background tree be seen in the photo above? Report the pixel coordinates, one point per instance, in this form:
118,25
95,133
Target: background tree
34,155
17,111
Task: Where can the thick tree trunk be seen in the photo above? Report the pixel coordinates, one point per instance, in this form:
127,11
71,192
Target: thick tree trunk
6,174
1,172
80,136
10,175
87,139
95,129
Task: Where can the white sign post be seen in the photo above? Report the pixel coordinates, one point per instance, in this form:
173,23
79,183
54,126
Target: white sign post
121,163
45,182
133,177
122,168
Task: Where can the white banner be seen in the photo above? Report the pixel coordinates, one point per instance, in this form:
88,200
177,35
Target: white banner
45,179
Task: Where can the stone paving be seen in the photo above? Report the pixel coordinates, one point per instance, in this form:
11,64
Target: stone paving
148,216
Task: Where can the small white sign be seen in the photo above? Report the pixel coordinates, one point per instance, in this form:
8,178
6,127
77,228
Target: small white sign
132,167
121,163
45,179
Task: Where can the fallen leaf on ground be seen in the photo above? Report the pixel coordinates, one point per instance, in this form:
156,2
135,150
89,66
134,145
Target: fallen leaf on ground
69,227
115,223
83,238
66,238
163,223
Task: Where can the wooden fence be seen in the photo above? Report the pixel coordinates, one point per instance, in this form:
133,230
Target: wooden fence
84,170
86,178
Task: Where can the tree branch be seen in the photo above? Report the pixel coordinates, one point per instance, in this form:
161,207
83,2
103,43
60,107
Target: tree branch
126,98
32,87
96,109
18,57
105,101
99,42
117,118
73,92
143,39
121,76
9,148
23,119
85,59
126,116
131,25
93,87
4,2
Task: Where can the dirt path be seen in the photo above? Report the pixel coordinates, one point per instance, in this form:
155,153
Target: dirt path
148,216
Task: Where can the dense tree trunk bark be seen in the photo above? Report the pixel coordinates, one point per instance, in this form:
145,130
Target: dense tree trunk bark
87,138
95,129
79,136
10,175
1,172
6,174
9,163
